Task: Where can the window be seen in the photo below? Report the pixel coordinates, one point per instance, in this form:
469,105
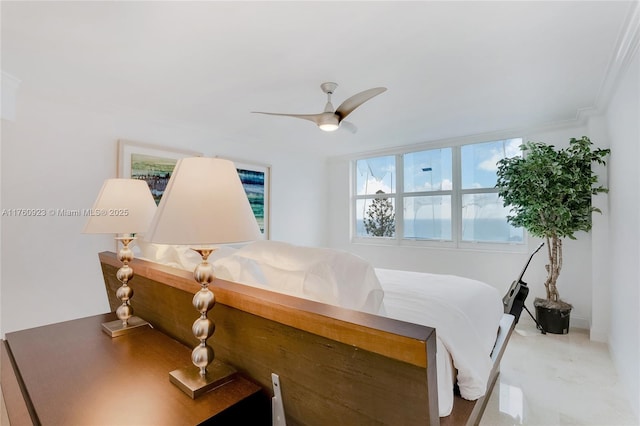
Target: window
445,195
375,202
428,188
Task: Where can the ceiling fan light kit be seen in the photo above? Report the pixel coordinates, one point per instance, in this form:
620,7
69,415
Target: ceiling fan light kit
330,119
328,122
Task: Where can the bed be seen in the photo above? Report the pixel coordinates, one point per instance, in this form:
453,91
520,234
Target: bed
387,315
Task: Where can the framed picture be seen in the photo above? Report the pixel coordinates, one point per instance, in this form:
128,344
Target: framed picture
151,163
255,179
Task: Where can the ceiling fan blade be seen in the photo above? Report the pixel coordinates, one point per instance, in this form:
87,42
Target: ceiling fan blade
356,100
347,125
311,117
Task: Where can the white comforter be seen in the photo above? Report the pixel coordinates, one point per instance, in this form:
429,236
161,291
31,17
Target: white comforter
465,314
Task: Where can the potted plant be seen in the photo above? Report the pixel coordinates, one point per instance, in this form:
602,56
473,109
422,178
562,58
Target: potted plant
549,192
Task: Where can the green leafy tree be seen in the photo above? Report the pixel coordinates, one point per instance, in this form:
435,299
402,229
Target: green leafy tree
549,192
380,220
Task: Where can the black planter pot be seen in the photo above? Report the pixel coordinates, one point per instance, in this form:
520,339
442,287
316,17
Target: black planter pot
553,320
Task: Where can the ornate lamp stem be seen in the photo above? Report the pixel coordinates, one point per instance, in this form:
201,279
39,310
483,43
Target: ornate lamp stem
203,301
124,274
126,322
212,373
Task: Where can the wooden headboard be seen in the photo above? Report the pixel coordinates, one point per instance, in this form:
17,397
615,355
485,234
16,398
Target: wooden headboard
336,366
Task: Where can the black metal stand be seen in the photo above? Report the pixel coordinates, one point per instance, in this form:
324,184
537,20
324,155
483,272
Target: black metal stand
517,293
538,326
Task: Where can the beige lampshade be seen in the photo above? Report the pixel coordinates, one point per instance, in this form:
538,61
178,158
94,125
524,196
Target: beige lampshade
124,206
204,204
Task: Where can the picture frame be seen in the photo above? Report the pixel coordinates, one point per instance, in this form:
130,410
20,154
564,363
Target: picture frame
152,163
256,180
155,163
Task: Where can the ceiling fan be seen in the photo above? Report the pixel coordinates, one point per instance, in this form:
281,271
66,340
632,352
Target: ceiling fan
331,119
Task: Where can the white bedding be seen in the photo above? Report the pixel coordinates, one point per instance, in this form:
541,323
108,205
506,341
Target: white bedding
464,312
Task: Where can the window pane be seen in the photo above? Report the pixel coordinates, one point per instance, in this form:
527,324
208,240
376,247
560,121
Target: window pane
484,219
376,174
375,217
428,170
428,217
479,161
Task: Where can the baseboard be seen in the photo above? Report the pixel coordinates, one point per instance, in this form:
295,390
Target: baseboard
598,336
580,323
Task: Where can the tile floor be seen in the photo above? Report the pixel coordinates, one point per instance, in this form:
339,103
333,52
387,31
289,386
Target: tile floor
549,380
556,380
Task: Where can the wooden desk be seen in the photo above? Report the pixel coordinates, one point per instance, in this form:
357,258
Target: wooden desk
72,373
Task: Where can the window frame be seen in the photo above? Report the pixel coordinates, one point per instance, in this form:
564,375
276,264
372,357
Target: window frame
456,193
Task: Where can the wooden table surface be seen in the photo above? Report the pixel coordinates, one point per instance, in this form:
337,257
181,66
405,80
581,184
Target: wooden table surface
75,374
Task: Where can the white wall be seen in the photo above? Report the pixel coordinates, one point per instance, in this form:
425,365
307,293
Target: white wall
601,286
496,268
56,156
623,119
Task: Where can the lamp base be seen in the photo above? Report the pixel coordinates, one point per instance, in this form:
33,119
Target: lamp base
115,328
189,380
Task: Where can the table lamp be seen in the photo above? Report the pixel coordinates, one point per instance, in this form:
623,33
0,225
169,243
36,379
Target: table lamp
124,207
204,204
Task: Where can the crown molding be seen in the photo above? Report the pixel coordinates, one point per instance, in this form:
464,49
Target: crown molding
625,50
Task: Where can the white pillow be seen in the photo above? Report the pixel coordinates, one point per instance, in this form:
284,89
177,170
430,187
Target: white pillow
240,270
325,275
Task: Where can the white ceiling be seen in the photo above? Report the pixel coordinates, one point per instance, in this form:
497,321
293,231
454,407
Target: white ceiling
451,68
